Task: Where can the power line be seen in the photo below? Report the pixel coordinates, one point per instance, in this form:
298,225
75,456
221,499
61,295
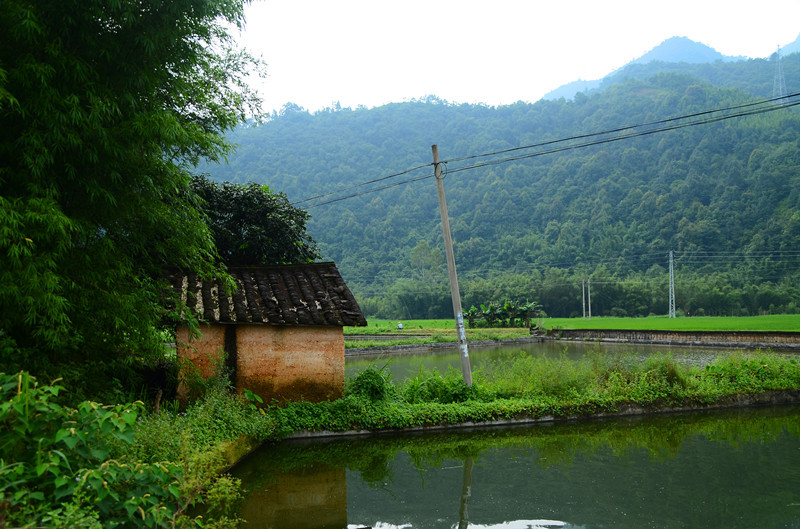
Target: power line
373,190
751,112
627,127
714,258
363,184
544,285
746,109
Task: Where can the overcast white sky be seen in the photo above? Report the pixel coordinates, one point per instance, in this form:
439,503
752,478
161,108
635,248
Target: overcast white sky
372,52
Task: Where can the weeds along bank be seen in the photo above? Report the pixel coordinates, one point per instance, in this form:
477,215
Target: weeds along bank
97,466
532,387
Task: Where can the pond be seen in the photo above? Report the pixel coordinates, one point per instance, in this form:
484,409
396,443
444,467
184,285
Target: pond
404,365
725,469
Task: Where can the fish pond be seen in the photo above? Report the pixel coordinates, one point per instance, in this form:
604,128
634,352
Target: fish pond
717,469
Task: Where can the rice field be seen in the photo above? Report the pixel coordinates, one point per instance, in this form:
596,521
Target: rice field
776,322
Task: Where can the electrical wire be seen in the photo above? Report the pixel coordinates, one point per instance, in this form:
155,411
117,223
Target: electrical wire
751,112
401,173
747,109
782,258
373,190
627,127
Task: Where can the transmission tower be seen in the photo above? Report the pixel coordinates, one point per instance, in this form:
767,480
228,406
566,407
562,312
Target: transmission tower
779,83
671,287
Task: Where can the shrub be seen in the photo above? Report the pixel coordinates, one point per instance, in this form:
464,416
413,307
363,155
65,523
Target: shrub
373,384
528,375
56,467
432,386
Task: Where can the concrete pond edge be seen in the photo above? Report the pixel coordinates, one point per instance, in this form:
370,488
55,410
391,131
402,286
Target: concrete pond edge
234,451
237,450
741,400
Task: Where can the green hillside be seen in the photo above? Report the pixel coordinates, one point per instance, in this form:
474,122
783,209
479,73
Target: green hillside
724,196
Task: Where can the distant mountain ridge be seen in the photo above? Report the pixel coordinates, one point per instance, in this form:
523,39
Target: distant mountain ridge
532,224
683,49
672,50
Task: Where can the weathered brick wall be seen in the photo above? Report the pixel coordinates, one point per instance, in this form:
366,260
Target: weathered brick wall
275,362
291,363
204,354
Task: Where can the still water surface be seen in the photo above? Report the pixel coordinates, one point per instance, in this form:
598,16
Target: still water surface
724,469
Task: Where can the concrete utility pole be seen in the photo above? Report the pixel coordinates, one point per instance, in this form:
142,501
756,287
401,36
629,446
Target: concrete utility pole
583,297
466,370
589,288
671,287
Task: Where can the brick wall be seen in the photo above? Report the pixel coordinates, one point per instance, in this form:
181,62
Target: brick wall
275,362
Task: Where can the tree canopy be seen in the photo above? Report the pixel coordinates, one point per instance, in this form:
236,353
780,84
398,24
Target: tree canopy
723,195
253,225
105,107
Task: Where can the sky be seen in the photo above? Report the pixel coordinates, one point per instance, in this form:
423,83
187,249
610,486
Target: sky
370,53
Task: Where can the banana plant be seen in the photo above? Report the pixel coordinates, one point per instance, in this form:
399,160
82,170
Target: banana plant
529,309
490,313
472,316
511,309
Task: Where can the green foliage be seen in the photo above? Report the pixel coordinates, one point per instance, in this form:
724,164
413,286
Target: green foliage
373,384
539,375
58,468
217,417
252,225
253,399
505,315
657,381
753,372
432,386
104,109
662,436
220,416
535,228
532,387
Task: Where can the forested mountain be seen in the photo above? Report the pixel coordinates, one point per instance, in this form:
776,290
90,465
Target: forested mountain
682,49
675,51
725,196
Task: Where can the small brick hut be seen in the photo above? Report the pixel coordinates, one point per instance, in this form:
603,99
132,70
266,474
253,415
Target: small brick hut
281,329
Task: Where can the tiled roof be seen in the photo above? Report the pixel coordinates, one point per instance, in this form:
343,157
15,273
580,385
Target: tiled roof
304,294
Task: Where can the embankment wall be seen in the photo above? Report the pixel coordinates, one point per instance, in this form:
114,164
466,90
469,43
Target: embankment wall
738,339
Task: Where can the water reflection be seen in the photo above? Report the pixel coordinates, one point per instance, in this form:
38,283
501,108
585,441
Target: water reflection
735,469
303,498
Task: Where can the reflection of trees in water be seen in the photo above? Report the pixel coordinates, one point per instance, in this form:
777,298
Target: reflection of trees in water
539,467
556,443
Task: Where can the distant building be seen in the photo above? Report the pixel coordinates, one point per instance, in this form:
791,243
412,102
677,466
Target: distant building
281,330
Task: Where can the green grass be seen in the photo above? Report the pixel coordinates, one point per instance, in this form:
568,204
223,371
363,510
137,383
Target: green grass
432,335
445,328
376,326
378,343
777,322
530,387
